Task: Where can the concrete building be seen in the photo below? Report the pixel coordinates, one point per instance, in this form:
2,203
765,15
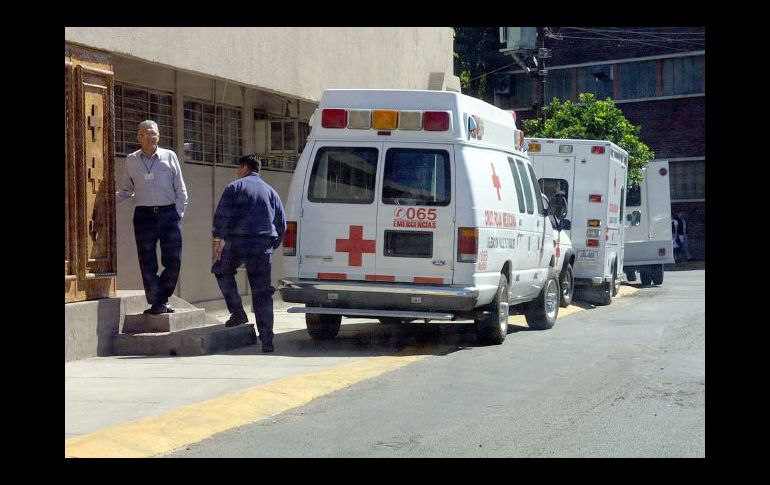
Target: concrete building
656,76
220,93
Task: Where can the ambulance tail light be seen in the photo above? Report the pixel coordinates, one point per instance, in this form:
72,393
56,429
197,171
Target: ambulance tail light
592,243
533,147
409,120
597,150
384,119
594,222
595,198
592,232
334,118
467,244
565,148
290,239
435,121
662,252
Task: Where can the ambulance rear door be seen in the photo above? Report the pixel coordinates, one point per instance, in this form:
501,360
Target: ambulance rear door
338,220
416,213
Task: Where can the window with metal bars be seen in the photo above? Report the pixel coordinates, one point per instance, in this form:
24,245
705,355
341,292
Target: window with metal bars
212,134
133,105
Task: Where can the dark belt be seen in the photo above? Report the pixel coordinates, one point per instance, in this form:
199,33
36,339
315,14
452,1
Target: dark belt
155,208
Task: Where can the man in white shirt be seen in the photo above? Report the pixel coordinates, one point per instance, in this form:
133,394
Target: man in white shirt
153,177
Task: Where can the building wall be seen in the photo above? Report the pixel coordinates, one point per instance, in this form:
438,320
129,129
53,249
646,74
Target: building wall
302,61
263,69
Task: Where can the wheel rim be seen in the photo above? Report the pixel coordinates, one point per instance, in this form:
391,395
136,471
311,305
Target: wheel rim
566,285
551,299
502,311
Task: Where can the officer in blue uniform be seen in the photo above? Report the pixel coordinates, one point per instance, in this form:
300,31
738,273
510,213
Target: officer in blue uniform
249,224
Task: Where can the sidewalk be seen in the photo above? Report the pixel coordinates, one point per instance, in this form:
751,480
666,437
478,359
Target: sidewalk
101,392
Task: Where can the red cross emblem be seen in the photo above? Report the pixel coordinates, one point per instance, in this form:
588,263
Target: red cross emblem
496,181
355,246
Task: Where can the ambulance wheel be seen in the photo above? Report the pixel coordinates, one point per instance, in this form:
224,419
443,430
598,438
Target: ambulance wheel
492,328
542,312
645,275
657,274
615,281
567,283
322,327
606,291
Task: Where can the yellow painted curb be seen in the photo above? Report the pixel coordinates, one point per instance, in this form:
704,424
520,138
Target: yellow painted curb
170,431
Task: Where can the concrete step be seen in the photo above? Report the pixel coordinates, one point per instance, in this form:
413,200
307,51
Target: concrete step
204,340
182,319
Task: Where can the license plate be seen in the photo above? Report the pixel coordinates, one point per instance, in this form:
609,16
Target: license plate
588,255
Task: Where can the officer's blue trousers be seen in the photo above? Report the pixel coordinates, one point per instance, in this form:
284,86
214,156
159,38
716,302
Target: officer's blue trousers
256,254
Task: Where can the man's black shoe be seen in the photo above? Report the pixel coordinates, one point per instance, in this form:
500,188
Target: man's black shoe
158,309
267,347
237,319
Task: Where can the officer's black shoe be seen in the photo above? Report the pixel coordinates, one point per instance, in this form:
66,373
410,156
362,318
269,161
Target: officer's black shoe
267,347
236,319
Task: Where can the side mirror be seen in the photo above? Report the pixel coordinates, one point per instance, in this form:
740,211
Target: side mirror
558,207
565,225
546,203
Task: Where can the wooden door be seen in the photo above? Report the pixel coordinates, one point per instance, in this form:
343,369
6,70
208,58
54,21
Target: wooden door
89,187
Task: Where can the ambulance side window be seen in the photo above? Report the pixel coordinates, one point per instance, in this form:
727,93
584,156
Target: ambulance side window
527,187
343,175
416,177
517,182
538,198
634,196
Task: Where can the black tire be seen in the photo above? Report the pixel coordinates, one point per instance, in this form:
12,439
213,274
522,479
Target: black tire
322,326
542,312
630,275
645,275
615,281
492,328
657,274
567,284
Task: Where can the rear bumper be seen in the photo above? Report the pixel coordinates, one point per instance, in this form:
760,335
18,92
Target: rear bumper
594,281
378,296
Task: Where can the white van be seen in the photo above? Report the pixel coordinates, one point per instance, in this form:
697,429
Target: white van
592,176
648,238
413,205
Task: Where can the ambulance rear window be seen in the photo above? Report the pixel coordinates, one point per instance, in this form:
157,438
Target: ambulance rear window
416,177
343,175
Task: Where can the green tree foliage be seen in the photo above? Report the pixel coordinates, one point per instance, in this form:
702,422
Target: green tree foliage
476,55
593,119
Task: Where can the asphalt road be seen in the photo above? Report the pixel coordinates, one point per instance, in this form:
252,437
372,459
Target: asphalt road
626,380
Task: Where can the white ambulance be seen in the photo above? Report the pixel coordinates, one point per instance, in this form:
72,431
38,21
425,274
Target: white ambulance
417,205
591,174
648,238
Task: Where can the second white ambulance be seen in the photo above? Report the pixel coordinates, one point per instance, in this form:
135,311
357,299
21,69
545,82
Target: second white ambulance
417,205
591,174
